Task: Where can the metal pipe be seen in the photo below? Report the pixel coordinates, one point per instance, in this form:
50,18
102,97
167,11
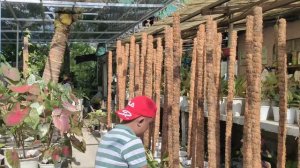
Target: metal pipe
81,21
86,4
72,32
17,48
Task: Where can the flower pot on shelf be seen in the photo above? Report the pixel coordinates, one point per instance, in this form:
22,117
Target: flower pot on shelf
264,111
41,165
297,116
223,104
237,105
290,116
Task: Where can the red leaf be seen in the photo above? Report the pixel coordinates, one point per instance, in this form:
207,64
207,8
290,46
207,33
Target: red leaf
56,112
20,89
66,151
69,106
10,73
16,115
35,89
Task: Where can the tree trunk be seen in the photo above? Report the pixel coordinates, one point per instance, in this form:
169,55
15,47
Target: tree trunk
192,98
247,144
282,76
148,81
176,97
167,143
232,57
58,45
199,101
211,97
257,68
131,67
25,57
119,71
142,64
137,85
158,73
109,81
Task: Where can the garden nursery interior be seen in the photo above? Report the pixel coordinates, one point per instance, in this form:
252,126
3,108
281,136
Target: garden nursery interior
224,74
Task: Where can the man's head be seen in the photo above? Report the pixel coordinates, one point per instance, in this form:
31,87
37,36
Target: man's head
138,114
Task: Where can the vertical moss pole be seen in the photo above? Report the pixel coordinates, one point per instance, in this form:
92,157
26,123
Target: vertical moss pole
199,101
158,73
148,79
25,57
131,67
119,71
109,81
247,144
257,67
282,76
230,95
142,64
167,143
137,86
176,100
211,99
192,112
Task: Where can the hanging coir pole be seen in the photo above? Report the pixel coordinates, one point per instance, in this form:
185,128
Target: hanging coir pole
137,86
109,81
131,67
142,63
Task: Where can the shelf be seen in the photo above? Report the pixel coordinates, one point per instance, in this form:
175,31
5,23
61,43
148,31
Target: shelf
269,126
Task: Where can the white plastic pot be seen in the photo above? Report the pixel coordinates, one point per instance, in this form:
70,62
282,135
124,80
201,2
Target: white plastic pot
290,117
46,165
237,105
264,111
27,163
223,104
297,116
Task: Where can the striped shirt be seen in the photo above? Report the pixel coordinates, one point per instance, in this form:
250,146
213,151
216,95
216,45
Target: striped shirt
120,148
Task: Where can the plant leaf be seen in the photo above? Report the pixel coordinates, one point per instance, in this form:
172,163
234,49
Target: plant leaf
20,89
34,89
79,145
43,129
10,73
12,158
16,115
68,106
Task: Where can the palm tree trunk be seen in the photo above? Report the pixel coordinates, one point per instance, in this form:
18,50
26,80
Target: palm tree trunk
109,81
257,67
142,64
137,86
148,80
192,112
167,143
158,73
211,97
247,144
199,101
131,67
282,76
230,98
119,71
58,45
176,97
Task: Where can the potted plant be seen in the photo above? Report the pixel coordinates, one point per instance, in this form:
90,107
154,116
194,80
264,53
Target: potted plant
34,109
270,93
19,117
293,102
239,94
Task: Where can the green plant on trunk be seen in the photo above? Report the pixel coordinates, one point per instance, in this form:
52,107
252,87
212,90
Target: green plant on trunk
96,118
293,93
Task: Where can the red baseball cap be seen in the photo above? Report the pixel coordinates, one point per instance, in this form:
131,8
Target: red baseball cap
138,106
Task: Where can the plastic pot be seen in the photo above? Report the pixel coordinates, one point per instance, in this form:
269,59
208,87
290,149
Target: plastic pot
290,117
264,111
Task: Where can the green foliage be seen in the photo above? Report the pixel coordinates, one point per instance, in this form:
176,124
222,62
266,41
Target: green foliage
96,117
239,86
270,89
84,73
37,58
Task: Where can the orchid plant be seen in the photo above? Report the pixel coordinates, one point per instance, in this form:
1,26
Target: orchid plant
32,108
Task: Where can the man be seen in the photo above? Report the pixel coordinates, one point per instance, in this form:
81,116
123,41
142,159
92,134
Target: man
121,147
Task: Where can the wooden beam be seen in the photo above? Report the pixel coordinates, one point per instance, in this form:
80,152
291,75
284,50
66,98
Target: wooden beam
198,12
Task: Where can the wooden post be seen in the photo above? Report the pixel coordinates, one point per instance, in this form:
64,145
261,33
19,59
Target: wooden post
25,57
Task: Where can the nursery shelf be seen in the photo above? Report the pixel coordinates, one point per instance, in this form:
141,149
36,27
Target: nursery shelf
270,126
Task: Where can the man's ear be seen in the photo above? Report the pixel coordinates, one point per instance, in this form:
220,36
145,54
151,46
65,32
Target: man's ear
140,121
